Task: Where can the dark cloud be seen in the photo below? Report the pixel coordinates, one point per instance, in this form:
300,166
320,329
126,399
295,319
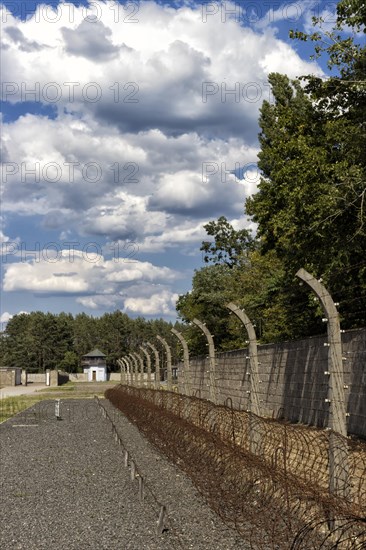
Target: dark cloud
159,110
95,45
210,208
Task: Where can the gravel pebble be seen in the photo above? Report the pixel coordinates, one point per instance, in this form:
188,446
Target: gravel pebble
64,485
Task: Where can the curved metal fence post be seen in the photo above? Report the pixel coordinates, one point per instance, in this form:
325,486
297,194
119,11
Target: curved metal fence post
212,359
254,406
128,370
168,362
133,369
186,377
157,364
123,365
148,362
139,371
339,482
122,368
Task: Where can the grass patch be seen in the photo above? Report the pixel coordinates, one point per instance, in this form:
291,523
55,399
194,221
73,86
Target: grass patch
9,406
65,387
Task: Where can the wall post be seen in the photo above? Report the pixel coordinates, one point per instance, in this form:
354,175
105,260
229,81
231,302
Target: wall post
254,405
128,370
253,401
148,362
133,369
122,368
168,362
157,364
186,374
212,360
24,377
339,482
140,372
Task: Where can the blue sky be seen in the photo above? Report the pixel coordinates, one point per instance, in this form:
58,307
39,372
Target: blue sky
121,128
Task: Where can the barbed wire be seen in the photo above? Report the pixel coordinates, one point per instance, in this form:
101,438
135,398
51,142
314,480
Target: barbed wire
269,480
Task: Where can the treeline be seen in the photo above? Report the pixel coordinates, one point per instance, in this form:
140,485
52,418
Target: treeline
310,208
38,341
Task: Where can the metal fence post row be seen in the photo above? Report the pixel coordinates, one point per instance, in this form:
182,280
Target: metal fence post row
133,369
168,362
122,368
212,360
186,373
135,474
128,370
140,361
157,364
148,363
339,482
254,405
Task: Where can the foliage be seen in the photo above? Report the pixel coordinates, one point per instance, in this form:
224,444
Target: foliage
40,341
229,245
310,206
211,290
277,306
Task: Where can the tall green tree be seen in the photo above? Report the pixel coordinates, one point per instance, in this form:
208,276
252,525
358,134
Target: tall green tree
310,207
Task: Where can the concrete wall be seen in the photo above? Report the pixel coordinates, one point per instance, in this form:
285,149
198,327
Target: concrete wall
36,377
24,377
7,378
53,378
294,386
41,377
83,377
10,376
78,377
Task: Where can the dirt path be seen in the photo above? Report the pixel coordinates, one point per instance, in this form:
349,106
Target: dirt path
15,391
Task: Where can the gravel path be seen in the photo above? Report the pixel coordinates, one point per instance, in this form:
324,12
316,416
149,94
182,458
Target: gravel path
64,485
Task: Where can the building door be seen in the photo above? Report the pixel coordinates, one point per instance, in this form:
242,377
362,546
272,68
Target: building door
94,375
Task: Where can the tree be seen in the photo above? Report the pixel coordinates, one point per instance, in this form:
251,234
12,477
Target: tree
341,98
70,362
229,246
39,341
310,207
211,290
18,345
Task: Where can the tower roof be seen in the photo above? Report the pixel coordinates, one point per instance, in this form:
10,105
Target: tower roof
95,353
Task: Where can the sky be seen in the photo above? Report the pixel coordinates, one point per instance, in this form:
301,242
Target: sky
125,128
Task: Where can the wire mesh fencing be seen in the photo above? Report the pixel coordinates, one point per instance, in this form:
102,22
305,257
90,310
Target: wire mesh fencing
272,481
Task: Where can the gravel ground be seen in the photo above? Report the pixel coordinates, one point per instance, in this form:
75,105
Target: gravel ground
64,485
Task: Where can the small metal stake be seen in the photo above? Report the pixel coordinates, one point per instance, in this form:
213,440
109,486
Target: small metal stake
161,521
57,409
141,488
133,470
